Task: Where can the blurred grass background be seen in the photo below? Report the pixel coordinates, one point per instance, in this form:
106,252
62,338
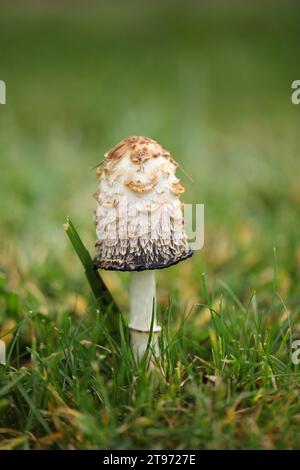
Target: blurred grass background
211,81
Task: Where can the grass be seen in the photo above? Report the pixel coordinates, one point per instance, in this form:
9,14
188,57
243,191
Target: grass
213,86
231,384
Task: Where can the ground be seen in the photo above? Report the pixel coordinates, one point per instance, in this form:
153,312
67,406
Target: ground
213,84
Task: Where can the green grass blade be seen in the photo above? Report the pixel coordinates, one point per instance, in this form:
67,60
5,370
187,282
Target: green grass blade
99,289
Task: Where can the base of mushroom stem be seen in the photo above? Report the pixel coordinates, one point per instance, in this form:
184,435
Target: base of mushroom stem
139,341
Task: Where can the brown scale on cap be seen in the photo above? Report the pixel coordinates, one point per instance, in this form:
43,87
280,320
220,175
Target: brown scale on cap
139,149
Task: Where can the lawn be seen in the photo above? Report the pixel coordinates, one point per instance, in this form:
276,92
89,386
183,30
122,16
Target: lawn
213,84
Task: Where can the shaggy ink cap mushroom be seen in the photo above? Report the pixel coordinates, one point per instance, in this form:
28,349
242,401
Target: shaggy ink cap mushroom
139,217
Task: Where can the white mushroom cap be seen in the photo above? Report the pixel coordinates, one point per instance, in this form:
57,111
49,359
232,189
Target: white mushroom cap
139,218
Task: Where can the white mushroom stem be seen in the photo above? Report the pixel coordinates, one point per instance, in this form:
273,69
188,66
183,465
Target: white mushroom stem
142,304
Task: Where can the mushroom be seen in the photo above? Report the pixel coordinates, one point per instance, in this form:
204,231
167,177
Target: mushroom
139,225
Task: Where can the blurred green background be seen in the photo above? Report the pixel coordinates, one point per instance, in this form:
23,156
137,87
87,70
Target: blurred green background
211,81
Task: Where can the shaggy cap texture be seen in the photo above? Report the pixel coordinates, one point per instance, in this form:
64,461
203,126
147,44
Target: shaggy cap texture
139,218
